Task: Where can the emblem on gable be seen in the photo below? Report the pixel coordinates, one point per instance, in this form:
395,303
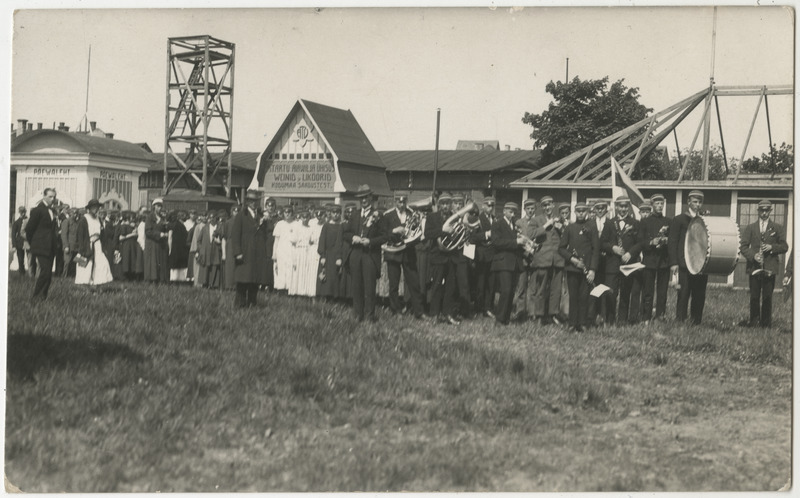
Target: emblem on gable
302,135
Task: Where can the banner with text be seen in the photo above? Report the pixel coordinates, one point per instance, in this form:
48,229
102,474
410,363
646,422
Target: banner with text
299,177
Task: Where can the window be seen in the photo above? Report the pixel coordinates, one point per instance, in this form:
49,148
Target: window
305,156
291,156
748,212
313,156
284,156
329,155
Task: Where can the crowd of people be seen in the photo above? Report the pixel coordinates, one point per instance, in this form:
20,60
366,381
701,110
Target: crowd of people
448,260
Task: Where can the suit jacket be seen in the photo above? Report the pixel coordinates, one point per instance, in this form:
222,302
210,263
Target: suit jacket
508,254
654,256
41,231
484,251
611,237
69,233
548,239
17,235
83,244
433,231
677,240
248,238
390,221
356,226
774,235
580,239
209,248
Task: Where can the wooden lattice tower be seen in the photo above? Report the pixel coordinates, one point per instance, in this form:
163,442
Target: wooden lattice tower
199,110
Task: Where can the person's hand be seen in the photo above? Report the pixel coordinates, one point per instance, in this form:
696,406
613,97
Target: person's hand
674,269
338,262
488,234
626,257
365,241
240,257
447,228
767,247
520,241
66,250
356,240
398,230
322,261
590,276
618,250
785,281
759,257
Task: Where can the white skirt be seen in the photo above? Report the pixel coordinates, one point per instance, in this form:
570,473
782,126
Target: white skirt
97,271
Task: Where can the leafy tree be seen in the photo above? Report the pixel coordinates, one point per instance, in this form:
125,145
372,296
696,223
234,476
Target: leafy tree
583,112
784,161
694,170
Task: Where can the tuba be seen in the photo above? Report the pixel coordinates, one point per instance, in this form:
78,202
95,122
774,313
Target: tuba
412,230
461,228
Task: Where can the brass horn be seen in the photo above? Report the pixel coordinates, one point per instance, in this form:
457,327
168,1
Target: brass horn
460,228
413,226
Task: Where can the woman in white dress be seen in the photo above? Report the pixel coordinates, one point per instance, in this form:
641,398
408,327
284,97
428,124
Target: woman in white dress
312,255
301,236
282,249
96,271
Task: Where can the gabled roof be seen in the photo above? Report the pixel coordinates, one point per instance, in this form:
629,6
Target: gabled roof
83,143
460,160
339,129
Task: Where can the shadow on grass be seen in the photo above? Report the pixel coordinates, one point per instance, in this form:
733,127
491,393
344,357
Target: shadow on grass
30,353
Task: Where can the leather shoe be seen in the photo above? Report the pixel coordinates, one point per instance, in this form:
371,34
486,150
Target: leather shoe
452,321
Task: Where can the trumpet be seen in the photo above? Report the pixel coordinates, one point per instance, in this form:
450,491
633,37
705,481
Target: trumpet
760,261
460,228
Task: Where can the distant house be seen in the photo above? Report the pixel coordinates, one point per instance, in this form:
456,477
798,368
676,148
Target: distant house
478,145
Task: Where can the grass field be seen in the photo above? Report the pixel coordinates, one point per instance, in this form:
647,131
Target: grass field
162,388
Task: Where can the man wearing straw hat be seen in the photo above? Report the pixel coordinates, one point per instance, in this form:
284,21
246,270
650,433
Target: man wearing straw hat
761,244
690,287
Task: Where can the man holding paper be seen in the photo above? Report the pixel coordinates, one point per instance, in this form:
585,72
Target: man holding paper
653,239
579,245
620,241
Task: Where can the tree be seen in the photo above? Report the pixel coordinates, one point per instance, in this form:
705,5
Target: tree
583,112
694,170
784,161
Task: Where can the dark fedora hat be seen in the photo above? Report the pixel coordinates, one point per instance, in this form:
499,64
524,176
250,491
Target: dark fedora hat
93,203
363,191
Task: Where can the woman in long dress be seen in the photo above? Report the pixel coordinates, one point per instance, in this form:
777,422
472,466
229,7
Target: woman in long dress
96,271
178,248
330,254
301,237
282,249
126,234
312,256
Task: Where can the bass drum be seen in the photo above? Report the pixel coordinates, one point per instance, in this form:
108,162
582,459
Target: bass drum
712,245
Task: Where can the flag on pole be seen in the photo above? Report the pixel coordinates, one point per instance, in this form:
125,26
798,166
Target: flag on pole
254,182
621,184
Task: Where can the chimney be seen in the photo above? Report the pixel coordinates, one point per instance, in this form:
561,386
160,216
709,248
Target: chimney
61,126
92,125
66,128
22,125
38,126
110,135
30,126
508,147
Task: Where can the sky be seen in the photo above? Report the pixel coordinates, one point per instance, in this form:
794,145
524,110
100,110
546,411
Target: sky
393,67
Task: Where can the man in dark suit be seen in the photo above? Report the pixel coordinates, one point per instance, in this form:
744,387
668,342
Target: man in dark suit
69,241
18,238
580,248
405,260
365,234
620,241
655,257
506,263
484,252
598,306
761,244
692,287
41,234
249,247
443,263
522,308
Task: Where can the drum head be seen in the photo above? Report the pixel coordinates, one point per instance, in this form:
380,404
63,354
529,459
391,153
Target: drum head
696,249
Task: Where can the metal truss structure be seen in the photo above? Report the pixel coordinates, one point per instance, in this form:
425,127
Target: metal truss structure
199,109
630,145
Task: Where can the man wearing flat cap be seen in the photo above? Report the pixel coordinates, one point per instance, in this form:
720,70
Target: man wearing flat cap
620,241
366,235
580,248
404,260
484,252
506,263
655,258
248,238
691,287
156,245
761,244
598,307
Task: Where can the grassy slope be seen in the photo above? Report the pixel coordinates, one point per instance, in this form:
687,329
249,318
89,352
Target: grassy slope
146,388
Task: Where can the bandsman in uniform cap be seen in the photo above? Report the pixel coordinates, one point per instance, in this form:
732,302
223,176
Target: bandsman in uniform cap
484,252
620,240
404,260
548,264
762,242
598,306
524,293
463,302
506,263
691,287
655,257
580,248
